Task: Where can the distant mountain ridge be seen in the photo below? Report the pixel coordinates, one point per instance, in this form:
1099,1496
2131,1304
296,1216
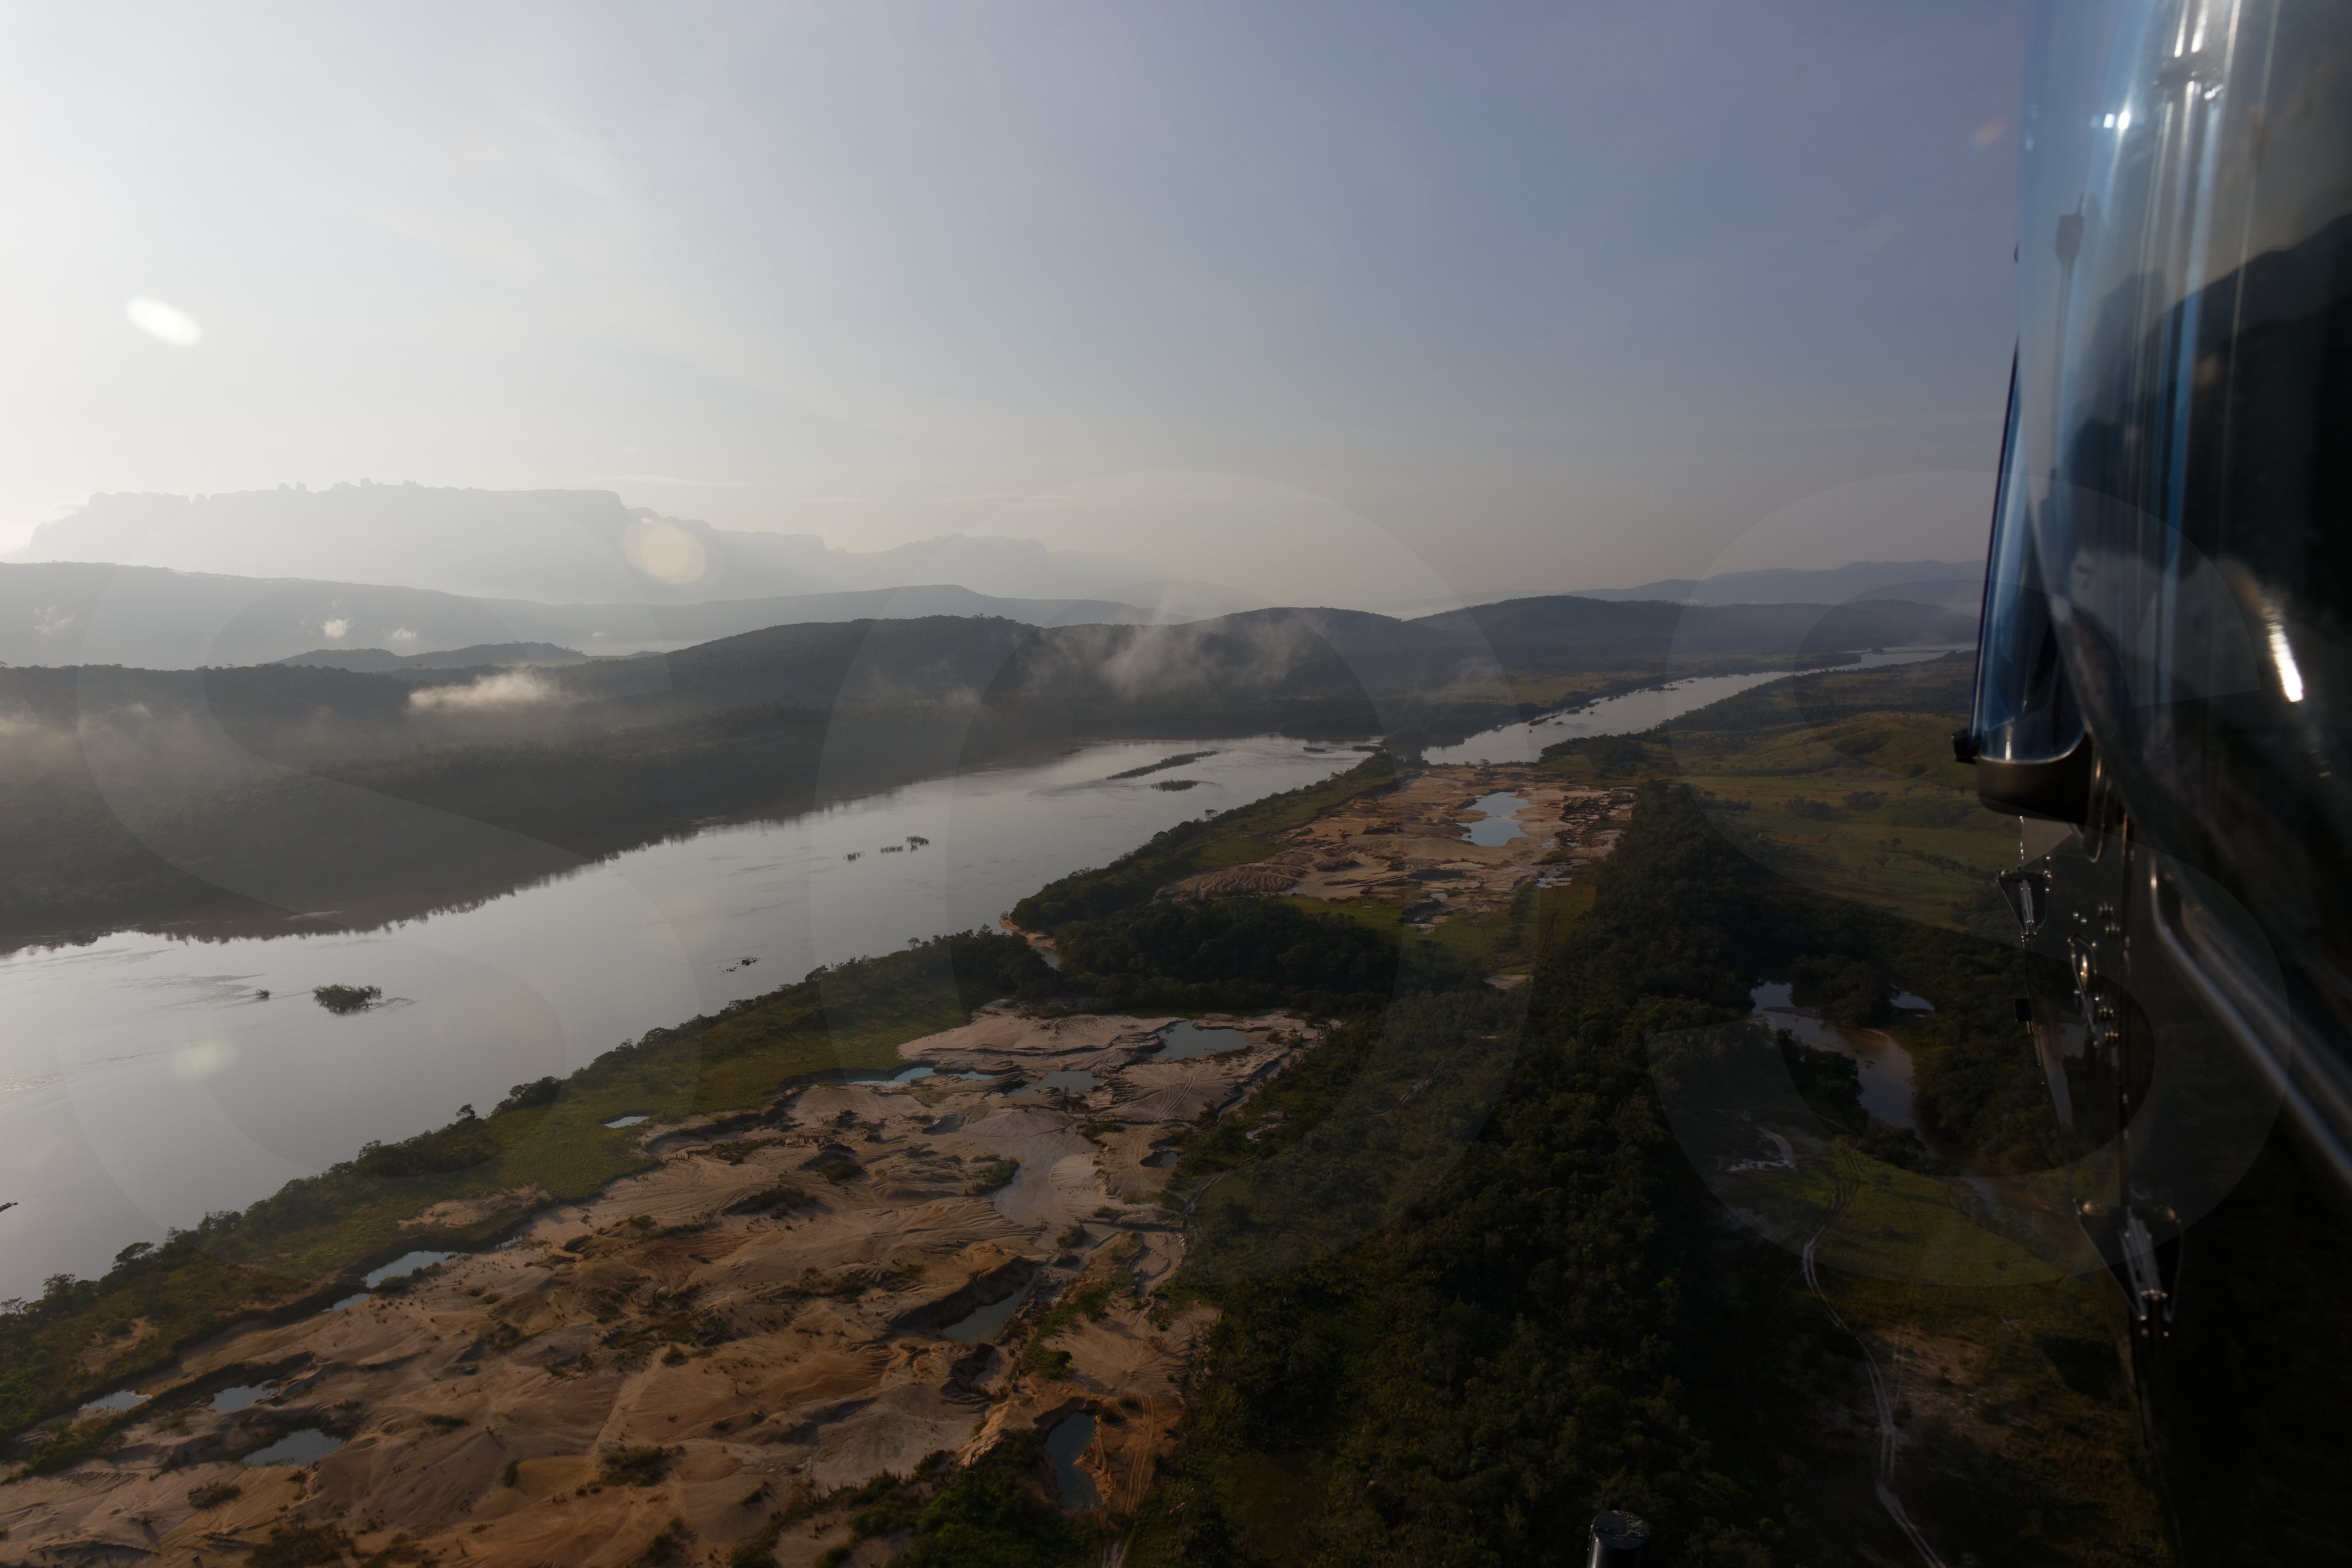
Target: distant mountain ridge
1287,655
152,618
376,661
1954,584
60,614
559,547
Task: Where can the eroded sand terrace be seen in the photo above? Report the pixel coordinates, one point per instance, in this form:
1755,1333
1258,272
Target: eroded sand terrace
789,1302
783,1305
1411,843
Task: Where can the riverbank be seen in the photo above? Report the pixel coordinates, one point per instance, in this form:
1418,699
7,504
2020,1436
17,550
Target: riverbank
775,1310
153,1082
1449,1275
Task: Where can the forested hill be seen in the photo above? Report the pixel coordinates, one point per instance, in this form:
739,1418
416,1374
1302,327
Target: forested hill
127,795
1293,653
1567,1319
1558,631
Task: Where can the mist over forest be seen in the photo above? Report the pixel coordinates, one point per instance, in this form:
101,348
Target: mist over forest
244,794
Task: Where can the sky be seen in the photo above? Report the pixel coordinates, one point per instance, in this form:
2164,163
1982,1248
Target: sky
1487,297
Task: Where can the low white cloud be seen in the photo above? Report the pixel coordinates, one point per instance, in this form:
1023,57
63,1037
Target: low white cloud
499,689
338,629
165,322
402,635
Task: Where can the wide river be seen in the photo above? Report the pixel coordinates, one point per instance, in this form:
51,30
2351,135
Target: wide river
1634,712
144,1080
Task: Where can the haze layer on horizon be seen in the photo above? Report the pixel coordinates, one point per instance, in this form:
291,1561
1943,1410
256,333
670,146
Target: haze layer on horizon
1343,304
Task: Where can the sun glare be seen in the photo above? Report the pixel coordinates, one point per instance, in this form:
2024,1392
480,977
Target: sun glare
163,322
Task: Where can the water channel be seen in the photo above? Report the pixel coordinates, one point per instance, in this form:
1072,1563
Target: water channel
1884,1065
1634,712
144,1080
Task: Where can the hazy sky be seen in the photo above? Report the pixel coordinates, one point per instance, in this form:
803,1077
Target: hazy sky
1556,295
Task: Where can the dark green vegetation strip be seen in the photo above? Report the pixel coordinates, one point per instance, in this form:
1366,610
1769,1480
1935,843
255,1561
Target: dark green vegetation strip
547,1143
83,1338
1243,953
1464,1367
1178,760
1843,781
1124,948
1232,838
996,1514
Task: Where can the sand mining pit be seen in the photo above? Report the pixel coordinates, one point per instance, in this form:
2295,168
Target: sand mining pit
789,1304
1411,843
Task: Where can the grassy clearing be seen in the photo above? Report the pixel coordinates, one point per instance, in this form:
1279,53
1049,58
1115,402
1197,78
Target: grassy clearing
2023,1442
1841,782
1463,1365
2006,1371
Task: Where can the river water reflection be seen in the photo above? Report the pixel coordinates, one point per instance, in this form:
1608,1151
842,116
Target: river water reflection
1635,712
1884,1065
143,1082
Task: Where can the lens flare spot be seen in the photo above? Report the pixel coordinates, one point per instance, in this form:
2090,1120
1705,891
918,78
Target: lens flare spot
665,552
2290,674
163,322
205,1059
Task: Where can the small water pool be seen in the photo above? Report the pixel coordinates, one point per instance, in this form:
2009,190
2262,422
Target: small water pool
406,1263
1074,1080
631,1120
1883,1066
982,1322
903,1075
347,1301
242,1397
1182,1041
1068,1439
306,1446
121,1399
1499,821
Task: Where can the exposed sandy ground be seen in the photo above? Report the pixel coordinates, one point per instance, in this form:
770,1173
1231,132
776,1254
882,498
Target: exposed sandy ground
777,1353
1412,841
